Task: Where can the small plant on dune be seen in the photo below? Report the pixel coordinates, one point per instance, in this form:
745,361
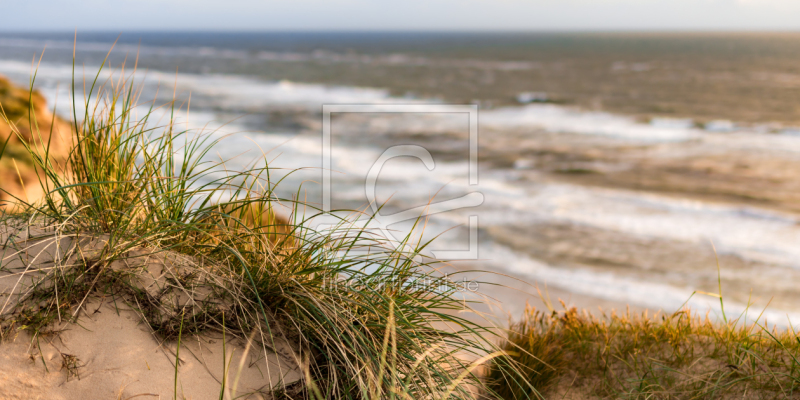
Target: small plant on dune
134,190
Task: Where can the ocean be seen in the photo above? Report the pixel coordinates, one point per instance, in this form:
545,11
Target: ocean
612,166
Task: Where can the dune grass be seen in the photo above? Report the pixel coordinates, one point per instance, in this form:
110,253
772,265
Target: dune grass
134,187
572,354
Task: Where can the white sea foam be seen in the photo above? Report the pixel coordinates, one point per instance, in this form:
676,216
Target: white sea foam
718,135
720,125
610,286
755,234
228,91
561,119
672,123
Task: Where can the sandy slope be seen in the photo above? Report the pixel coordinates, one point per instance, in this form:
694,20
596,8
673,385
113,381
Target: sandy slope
18,178
116,357
110,353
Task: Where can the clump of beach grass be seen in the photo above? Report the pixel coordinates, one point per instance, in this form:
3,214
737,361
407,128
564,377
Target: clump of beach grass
134,189
576,354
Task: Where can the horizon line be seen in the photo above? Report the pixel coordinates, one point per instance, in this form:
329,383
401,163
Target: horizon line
411,31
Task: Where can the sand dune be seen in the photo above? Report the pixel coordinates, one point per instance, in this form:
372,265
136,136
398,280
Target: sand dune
111,350
110,354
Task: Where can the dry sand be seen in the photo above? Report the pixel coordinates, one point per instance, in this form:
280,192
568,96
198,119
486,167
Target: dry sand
109,354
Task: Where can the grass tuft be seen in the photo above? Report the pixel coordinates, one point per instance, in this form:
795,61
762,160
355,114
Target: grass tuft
537,349
634,356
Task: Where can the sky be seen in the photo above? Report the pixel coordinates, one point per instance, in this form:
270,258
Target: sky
444,15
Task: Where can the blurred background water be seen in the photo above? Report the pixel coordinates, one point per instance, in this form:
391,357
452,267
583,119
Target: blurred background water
609,162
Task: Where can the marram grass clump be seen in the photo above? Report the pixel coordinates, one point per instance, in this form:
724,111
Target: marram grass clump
569,354
138,212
